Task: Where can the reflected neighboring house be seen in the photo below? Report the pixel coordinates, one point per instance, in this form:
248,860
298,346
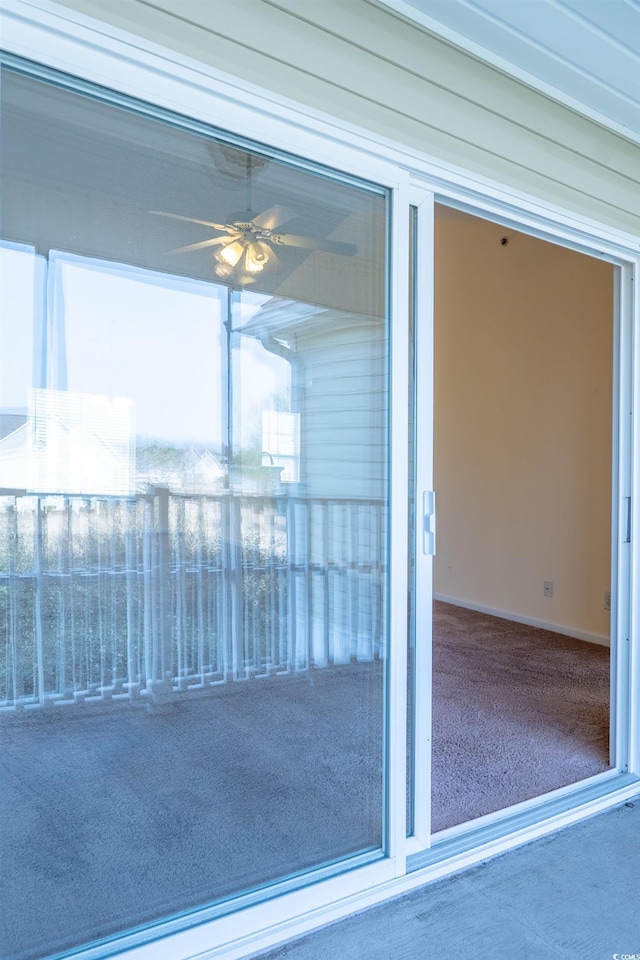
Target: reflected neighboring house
14,440
81,443
69,443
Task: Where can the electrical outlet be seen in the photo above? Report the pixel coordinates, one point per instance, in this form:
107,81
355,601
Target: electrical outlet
607,599
548,588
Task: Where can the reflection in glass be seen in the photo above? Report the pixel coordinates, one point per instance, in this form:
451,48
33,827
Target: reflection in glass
193,519
22,282
80,443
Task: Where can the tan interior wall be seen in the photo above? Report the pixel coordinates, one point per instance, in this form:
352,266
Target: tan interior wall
365,64
523,359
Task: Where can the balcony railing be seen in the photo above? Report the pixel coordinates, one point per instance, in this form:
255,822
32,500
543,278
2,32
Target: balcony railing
110,599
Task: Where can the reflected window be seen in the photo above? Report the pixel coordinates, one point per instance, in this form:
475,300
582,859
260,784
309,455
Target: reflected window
281,443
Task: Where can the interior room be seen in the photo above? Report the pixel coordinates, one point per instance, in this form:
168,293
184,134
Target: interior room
522,462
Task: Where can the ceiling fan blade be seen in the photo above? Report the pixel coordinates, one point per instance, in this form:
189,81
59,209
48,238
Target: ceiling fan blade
329,246
273,217
203,243
177,216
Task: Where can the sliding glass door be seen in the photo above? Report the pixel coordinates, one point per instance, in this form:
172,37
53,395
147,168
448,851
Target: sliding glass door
519,415
194,519
216,418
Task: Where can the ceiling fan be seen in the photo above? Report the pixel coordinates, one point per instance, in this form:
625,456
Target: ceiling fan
247,243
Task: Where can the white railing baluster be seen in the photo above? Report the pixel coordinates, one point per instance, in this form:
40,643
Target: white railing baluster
37,569
170,592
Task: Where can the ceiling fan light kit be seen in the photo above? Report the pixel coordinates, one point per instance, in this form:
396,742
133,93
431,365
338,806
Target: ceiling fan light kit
248,253
257,256
248,247
231,253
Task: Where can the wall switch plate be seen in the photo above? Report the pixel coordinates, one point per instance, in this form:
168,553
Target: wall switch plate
548,588
607,599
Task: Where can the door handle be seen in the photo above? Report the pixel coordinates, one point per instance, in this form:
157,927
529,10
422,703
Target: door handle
429,523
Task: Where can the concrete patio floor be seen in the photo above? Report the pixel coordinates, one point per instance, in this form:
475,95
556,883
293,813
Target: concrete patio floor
574,895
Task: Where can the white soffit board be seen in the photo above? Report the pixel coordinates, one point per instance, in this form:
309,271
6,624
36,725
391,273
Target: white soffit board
583,53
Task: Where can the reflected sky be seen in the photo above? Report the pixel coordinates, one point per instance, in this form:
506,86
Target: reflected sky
154,339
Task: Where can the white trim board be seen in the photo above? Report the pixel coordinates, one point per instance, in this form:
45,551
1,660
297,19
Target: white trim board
572,632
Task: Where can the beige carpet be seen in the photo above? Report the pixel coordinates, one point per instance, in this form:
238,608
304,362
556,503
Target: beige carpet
517,712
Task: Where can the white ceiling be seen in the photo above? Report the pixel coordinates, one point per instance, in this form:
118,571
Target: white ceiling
584,53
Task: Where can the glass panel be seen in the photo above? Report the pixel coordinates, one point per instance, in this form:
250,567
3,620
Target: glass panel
22,286
193,519
411,574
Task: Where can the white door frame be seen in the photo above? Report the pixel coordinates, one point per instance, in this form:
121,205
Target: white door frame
624,523
423,306
624,530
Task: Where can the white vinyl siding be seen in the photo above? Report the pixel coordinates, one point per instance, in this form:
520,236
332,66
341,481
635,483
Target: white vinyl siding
366,65
345,399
